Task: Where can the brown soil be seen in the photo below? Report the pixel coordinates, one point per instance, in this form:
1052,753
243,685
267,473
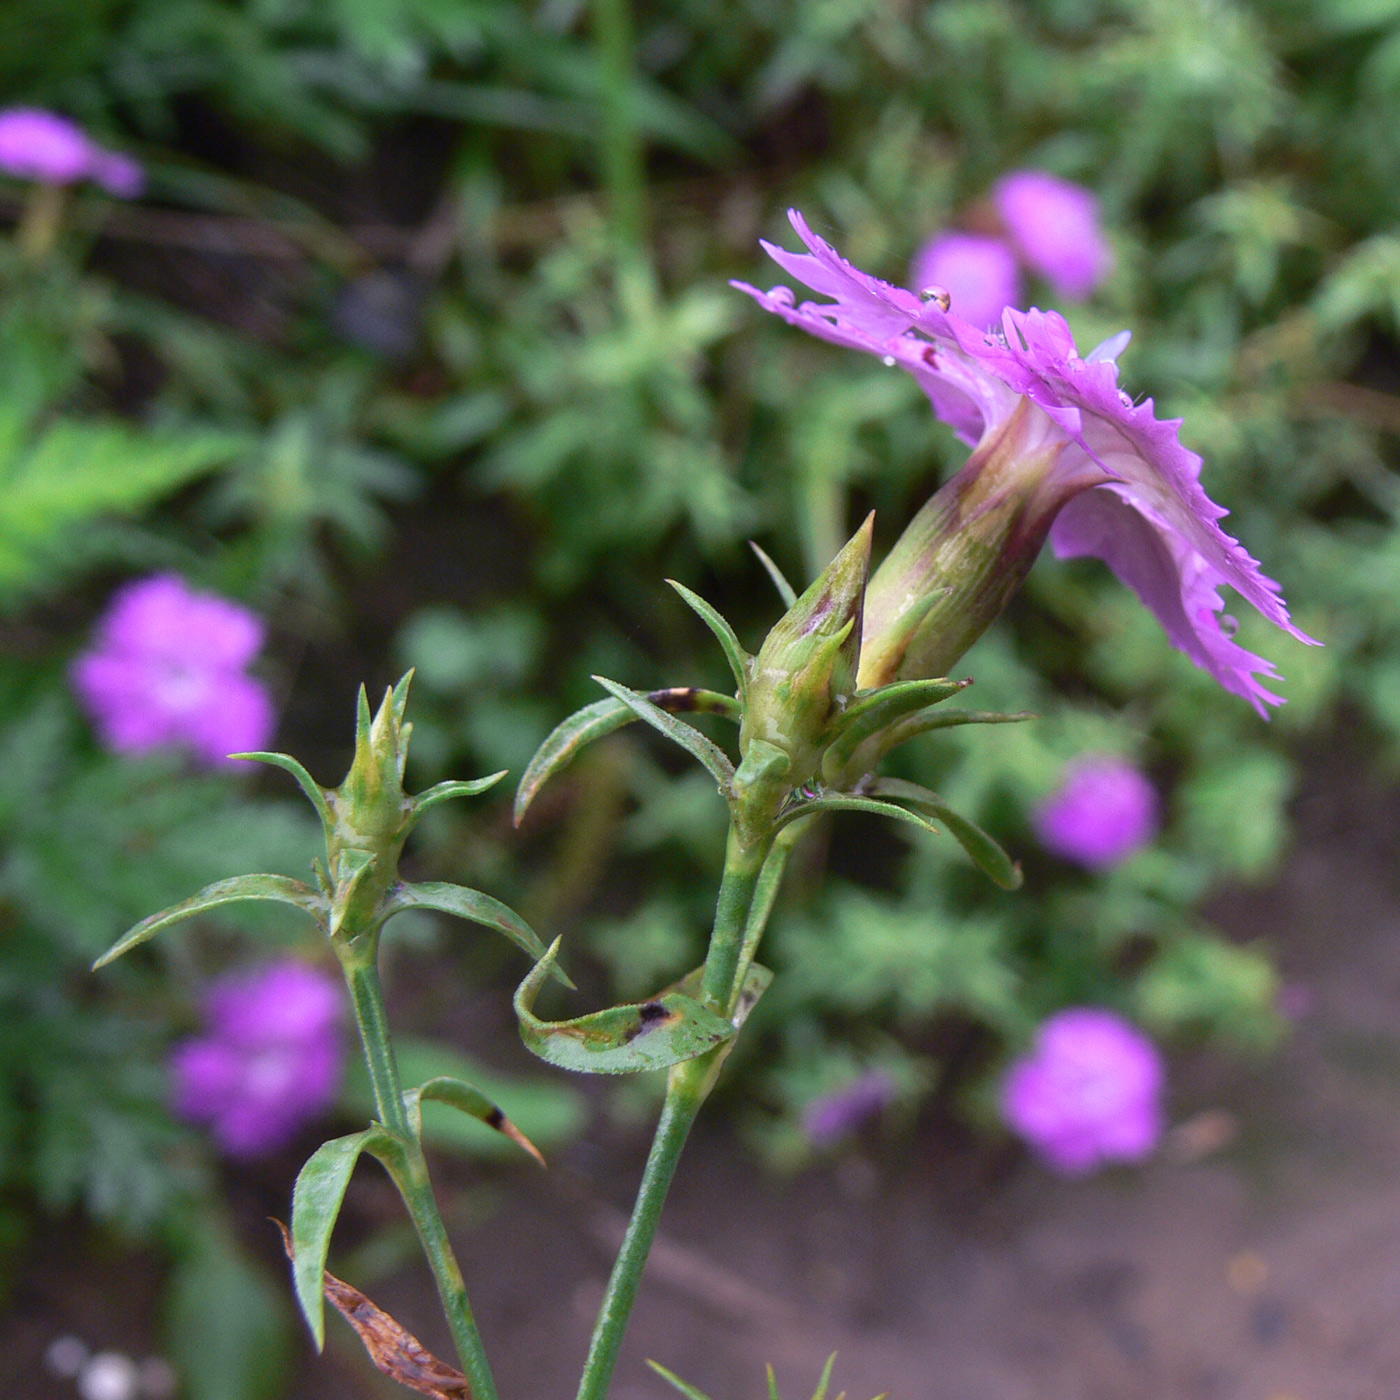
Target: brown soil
1268,1269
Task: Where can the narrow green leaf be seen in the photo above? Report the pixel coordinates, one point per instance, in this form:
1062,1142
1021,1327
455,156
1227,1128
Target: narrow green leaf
986,853
316,1200
279,888
869,714
846,802
458,1094
313,790
623,1039
448,792
785,590
925,721
686,735
477,908
604,717
685,1388
825,1381
582,727
739,660
772,1383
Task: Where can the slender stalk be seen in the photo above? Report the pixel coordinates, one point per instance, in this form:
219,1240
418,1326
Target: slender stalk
685,1092
624,173
367,997
765,895
743,864
408,1167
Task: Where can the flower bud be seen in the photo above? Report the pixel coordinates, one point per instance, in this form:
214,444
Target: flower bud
805,671
372,814
967,551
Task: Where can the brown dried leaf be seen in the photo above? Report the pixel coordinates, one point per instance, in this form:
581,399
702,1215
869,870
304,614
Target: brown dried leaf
395,1351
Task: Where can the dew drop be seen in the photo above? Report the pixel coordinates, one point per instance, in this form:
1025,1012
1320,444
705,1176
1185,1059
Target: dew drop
889,361
1229,625
938,294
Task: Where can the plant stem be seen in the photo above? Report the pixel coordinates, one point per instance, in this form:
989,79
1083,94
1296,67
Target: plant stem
685,1092
408,1167
743,864
624,173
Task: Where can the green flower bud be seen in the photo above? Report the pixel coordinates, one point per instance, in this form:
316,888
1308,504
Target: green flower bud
805,671
967,551
371,814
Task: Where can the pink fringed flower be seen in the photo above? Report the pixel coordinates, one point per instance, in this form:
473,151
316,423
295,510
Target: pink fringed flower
168,668
1104,811
1088,1093
1055,226
1056,444
978,273
40,145
270,1059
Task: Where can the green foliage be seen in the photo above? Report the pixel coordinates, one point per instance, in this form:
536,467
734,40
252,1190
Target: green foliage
586,421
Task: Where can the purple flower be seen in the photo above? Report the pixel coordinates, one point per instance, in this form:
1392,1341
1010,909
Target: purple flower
40,145
167,667
1055,226
978,273
1104,811
269,1061
1056,443
826,1120
1089,1092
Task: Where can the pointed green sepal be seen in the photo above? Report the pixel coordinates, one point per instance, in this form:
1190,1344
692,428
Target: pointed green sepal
785,590
315,793
352,870
678,731
739,660
868,714
985,852
280,889
477,908
851,802
449,792
316,1202
653,1034
468,1099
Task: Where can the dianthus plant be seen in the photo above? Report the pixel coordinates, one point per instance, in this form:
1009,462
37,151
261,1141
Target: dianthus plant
855,667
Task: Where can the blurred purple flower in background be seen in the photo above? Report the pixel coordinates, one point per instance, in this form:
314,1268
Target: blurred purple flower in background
167,667
828,1119
1089,1092
1104,811
977,272
1055,226
270,1059
40,145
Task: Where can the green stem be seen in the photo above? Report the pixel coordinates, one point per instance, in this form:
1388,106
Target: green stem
624,171
685,1092
367,997
743,864
408,1167
765,894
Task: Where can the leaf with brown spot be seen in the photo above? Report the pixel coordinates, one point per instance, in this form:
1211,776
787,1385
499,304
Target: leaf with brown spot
395,1351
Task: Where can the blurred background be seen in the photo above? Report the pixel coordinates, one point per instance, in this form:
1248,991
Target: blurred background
403,327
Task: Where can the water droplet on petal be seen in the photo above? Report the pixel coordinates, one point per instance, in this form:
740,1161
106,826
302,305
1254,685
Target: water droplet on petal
1229,625
889,361
938,294
1125,398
